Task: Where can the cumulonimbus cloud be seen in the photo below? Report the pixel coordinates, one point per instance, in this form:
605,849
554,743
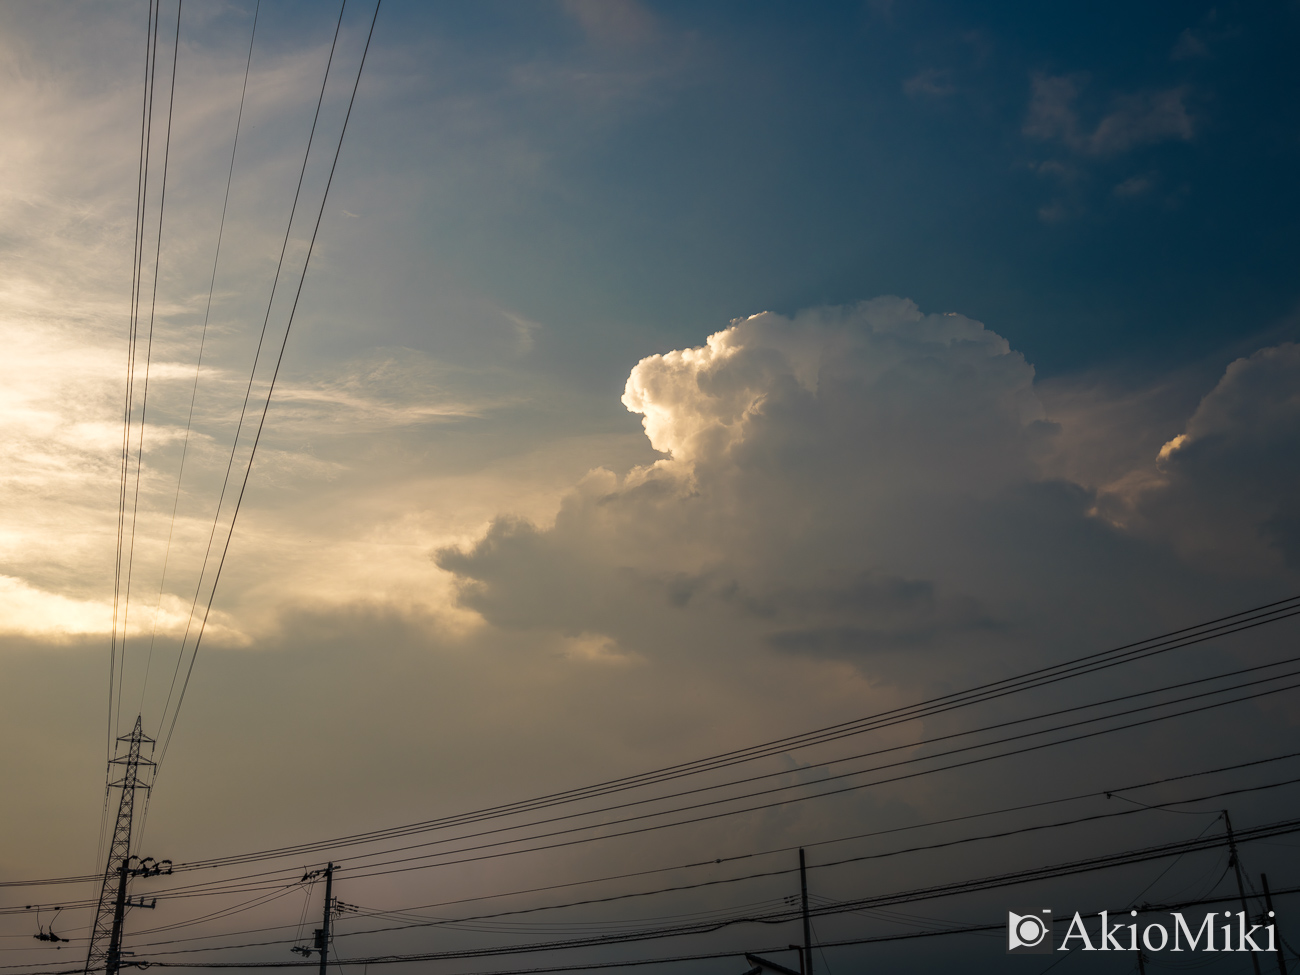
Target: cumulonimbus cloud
847,480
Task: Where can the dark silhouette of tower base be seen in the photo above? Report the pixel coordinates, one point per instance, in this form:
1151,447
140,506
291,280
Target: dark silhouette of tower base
106,936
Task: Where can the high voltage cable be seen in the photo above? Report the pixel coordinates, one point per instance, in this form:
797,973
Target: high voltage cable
841,943
126,428
786,871
279,358
371,872
452,922
144,404
935,891
1221,690
733,953
876,752
1177,639
714,955
867,835
832,863
148,361
137,258
1192,635
257,354
194,389
312,847
786,849
126,409
904,762
210,889
1246,835
198,366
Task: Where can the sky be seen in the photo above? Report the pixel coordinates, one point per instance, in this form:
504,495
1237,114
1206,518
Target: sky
665,379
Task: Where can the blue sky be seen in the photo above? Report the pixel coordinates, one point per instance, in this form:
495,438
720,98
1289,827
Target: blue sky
768,156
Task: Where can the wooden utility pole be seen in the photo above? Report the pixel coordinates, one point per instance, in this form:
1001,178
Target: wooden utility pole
323,942
807,965
1268,906
1241,888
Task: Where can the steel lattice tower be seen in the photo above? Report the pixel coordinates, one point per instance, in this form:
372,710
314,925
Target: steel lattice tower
106,936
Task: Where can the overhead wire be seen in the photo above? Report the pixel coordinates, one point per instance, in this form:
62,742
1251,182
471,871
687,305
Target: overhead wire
1246,620
280,357
252,373
153,310
820,782
869,834
1245,836
396,866
415,922
127,408
198,365
930,892
239,858
139,464
266,407
642,961
137,259
425,922
1160,704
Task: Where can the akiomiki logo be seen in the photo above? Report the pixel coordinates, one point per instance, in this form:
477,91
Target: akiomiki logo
1029,934
1032,933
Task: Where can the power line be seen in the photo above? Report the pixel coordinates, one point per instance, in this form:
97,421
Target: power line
873,833
243,858
1272,612
883,751
128,410
1069,868
370,872
144,404
778,789
713,955
785,871
199,892
280,357
1161,718
198,365
1269,829
216,517
1248,619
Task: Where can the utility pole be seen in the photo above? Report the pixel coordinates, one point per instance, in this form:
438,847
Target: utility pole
1268,906
1241,888
106,933
323,935
807,965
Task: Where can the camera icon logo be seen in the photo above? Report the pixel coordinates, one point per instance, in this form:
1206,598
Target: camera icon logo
1029,934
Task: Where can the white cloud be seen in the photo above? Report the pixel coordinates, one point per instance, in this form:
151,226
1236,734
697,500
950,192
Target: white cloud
836,484
869,483
1229,489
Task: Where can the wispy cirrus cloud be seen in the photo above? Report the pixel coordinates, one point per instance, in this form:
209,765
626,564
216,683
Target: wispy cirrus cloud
1135,119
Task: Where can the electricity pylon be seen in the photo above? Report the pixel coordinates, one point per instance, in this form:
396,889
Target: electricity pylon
106,935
